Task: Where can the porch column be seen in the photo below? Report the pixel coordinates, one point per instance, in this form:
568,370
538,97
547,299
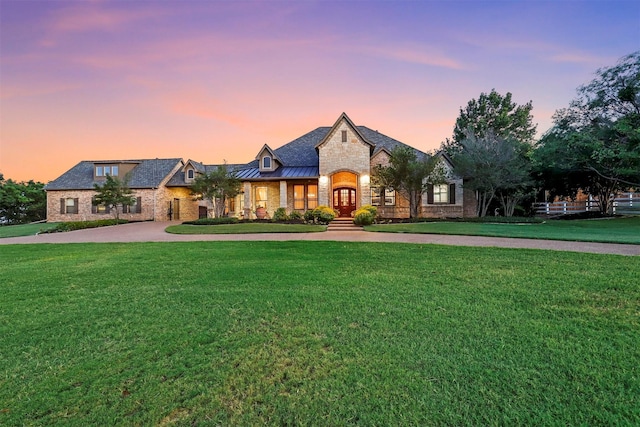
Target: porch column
283,194
324,195
247,200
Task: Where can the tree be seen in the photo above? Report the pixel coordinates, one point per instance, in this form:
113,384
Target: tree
492,165
22,202
490,148
594,144
217,186
409,175
113,193
497,113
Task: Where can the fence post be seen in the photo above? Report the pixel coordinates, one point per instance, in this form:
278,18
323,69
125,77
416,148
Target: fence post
564,208
547,207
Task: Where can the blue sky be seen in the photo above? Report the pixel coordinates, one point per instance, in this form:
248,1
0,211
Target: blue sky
211,81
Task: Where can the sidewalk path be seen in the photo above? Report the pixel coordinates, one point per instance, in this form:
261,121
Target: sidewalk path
154,232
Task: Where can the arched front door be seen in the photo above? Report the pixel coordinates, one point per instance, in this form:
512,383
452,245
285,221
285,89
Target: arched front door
344,200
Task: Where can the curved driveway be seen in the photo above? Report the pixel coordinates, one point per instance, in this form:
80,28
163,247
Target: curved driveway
154,232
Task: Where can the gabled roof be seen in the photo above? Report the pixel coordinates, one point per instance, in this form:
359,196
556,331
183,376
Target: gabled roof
345,118
273,154
149,173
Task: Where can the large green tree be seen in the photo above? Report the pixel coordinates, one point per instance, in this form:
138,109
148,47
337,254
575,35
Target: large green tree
113,193
22,202
594,144
409,174
493,166
497,113
217,186
490,148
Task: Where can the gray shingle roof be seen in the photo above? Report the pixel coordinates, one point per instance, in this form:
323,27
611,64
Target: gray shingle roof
148,173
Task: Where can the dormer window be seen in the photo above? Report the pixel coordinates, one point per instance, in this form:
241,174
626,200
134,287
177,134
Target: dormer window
105,170
189,173
266,162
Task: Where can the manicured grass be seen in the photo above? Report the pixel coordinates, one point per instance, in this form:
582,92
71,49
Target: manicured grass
25,229
617,230
316,333
245,228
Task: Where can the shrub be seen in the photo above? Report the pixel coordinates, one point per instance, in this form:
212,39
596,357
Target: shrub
81,225
363,217
370,208
213,221
320,215
280,215
295,215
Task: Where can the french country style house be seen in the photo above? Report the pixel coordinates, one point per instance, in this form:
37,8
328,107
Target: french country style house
329,166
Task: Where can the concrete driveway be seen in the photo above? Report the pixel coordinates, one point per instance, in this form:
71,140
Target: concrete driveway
154,232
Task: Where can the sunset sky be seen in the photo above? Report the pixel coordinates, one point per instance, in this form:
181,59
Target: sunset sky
215,80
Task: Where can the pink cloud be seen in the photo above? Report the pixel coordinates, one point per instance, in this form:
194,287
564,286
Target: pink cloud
414,54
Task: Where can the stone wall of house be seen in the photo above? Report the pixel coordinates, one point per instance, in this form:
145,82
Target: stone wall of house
352,155
85,198
188,206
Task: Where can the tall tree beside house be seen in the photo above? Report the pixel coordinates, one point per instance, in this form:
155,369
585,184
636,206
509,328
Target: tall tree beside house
493,166
497,113
491,149
217,186
409,176
22,202
594,144
112,194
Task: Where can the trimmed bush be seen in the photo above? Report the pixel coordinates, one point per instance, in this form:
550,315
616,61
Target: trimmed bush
295,215
213,221
363,217
320,215
372,209
280,215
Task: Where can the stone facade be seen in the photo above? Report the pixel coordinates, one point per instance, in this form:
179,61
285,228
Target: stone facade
343,150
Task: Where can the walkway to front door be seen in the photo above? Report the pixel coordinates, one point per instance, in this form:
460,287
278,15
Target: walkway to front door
344,201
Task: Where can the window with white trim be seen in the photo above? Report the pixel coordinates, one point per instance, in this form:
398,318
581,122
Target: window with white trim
441,193
266,162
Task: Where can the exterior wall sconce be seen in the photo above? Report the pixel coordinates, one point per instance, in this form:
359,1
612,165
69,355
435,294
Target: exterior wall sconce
364,179
324,179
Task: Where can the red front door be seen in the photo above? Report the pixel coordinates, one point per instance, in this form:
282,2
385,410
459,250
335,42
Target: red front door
344,201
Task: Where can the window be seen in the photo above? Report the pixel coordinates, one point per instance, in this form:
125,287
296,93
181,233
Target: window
312,196
69,206
232,204
441,193
344,136
375,196
190,174
107,170
136,207
261,197
300,196
389,197
266,162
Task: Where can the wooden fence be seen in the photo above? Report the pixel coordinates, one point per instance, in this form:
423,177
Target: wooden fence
625,204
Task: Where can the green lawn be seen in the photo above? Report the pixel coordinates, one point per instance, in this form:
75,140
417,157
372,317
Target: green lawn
618,230
316,333
245,228
24,230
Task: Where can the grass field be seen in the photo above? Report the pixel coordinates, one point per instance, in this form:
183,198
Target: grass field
24,229
245,228
617,230
316,333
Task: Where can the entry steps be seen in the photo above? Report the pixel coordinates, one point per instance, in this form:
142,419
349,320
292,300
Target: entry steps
343,224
